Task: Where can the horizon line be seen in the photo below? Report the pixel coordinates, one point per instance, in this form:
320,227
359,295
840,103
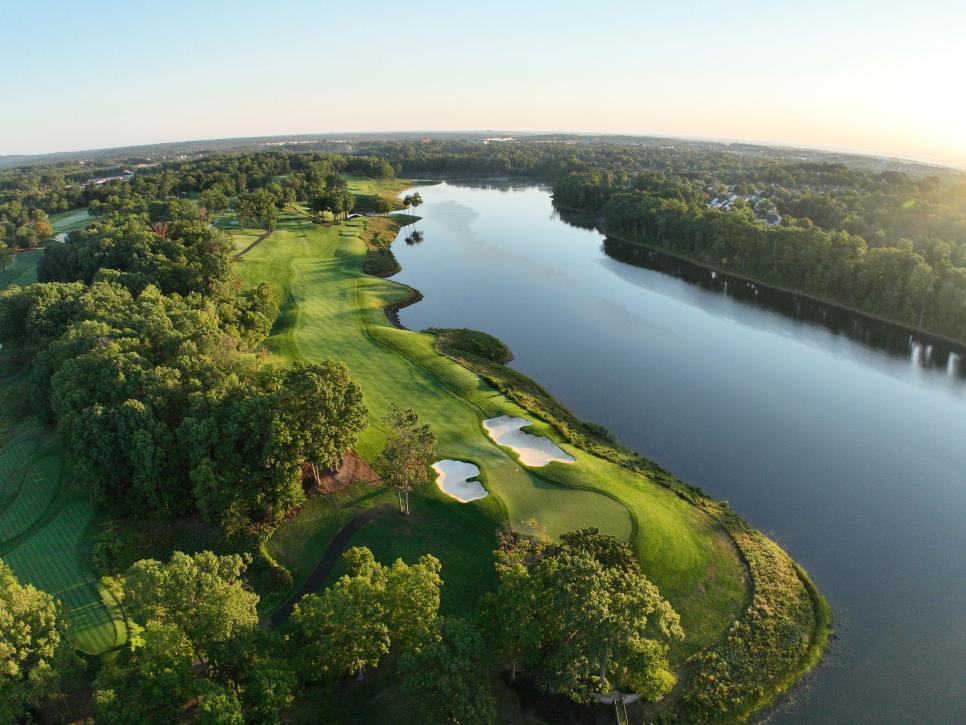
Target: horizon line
429,132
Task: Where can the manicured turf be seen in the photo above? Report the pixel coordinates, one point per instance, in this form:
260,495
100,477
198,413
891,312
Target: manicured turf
37,491
51,560
331,309
22,270
12,461
68,221
44,523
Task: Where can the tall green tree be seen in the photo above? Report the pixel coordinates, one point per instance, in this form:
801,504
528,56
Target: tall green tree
213,200
445,677
151,682
260,206
416,200
34,651
202,594
255,665
584,618
409,451
352,624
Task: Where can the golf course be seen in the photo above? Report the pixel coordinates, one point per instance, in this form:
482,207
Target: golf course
715,571
507,455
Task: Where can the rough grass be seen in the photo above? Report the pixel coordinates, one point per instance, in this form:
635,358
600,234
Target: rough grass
332,309
778,638
367,190
465,342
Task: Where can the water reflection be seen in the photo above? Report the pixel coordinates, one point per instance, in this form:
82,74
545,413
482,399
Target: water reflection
920,349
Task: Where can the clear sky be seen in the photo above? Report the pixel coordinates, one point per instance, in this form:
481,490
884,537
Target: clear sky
880,77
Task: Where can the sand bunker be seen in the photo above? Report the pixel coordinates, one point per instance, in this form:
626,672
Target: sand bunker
451,478
533,450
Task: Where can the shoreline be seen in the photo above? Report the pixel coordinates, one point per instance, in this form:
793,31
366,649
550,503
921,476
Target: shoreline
731,524
927,335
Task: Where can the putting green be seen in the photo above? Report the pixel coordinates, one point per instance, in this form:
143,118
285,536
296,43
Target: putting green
331,309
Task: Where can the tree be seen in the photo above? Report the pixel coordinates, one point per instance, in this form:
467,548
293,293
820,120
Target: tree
260,206
416,200
5,255
348,201
202,594
353,623
443,675
509,613
254,665
34,651
248,448
584,617
409,450
381,206
219,705
213,200
345,628
151,682
412,600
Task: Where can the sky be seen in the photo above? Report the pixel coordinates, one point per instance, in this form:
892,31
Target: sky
885,78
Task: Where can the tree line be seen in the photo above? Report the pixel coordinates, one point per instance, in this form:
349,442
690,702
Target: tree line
577,618
141,347
896,282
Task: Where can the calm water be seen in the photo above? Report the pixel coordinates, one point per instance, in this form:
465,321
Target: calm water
842,439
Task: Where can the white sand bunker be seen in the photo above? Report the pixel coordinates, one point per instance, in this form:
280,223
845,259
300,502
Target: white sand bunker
533,450
451,477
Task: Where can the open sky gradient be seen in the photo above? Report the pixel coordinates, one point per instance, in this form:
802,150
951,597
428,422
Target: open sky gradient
879,77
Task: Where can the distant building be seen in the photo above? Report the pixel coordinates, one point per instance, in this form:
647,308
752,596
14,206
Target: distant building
498,139
125,175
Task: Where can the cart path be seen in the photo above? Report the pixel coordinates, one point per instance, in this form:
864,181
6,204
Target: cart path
322,570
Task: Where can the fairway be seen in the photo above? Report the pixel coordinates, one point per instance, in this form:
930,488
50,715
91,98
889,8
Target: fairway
68,221
37,490
51,559
22,270
43,531
332,310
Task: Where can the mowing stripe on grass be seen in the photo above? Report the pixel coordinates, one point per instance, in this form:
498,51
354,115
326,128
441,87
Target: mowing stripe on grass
12,460
36,492
49,560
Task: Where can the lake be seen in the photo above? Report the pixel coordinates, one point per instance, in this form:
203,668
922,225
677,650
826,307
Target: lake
841,437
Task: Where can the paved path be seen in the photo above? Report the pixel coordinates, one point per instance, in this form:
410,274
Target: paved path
321,572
